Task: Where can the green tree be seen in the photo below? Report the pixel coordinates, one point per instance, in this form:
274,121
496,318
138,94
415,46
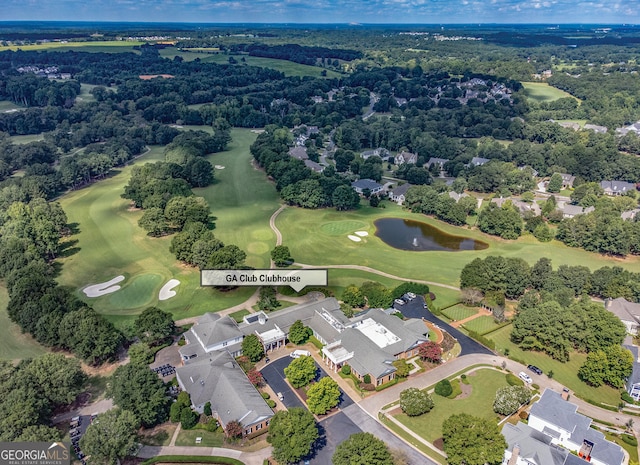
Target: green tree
362,448
140,354
353,297
183,401
509,399
137,389
345,198
252,348
58,378
402,368
378,296
415,402
188,418
268,300
112,437
154,325
281,256
470,440
555,183
154,222
229,257
299,333
207,409
301,371
323,396
443,388
611,365
292,433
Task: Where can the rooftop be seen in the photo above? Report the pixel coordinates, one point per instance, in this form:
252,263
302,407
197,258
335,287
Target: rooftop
377,333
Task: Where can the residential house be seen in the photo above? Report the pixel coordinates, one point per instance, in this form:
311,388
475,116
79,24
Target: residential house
630,214
558,419
211,333
299,152
400,101
527,446
406,157
317,167
379,152
633,382
522,207
218,379
595,128
567,180
477,161
569,211
635,127
455,196
361,184
614,188
627,312
437,161
398,193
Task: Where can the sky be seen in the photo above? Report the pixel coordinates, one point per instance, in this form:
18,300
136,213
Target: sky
327,11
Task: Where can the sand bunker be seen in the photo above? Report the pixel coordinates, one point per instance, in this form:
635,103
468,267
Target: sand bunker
361,233
219,167
166,292
96,290
354,238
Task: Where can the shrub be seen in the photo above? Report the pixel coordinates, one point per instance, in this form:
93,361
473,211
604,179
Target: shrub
513,380
207,409
415,402
271,403
265,395
367,379
456,390
631,440
508,399
346,370
188,418
464,379
535,386
626,397
523,415
443,388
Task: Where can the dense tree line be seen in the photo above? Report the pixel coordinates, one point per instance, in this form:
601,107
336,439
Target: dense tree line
430,201
296,53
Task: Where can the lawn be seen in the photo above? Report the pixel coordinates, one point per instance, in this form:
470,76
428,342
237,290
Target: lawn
108,46
289,68
7,106
310,236
26,138
209,439
459,312
110,243
564,373
239,314
85,93
543,92
14,345
484,384
481,325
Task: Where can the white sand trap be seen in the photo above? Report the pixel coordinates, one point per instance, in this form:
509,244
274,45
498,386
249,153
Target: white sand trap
166,292
96,290
354,238
361,233
219,167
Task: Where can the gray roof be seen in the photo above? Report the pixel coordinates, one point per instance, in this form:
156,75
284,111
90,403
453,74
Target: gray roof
477,161
635,374
623,309
211,328
618,186
366,184
574,210
299,152
567,178
317,167
218,379
438,161
455,196
557,411
400,190
533,445
630,214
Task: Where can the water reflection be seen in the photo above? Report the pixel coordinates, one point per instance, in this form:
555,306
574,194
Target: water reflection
414,235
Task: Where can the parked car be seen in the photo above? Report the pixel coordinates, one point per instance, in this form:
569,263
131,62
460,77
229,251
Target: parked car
411,295
299,353
399,301
535,369
525,377
280,396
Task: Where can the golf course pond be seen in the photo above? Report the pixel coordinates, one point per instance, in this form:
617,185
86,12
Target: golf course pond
414,235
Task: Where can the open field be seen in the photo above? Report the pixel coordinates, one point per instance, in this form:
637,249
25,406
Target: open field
26,138
14,345
7,106
484,384
323,248
109,46
481,325
459,312
543,92
110,243
289,68
564,373
85,93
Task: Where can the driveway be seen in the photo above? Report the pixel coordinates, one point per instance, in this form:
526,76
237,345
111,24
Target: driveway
273,374
415,309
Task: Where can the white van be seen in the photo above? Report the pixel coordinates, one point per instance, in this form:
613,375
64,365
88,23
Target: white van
525,377
299,353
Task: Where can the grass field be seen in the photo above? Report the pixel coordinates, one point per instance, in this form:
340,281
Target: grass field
85,93
109,46
7,106
26,138
481,325
459,312
289,68
323,247
209,439
110,243
237,316
564,373
484,384
14,345
543,92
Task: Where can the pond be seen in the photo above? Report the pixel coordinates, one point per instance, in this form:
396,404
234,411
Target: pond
413,235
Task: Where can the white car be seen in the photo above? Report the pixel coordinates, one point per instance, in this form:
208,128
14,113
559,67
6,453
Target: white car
411,295
280,396
299,353
525,377
399,302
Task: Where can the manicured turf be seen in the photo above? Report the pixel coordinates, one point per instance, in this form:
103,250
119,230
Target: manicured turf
188,438
26,138
543,92
484,383
459,312
308,242
239,314
7,106
481,325
85,93
14,345
111,243
338,228
94,46
565,373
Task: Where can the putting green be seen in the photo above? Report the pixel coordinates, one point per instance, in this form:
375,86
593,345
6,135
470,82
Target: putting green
338,228
139,291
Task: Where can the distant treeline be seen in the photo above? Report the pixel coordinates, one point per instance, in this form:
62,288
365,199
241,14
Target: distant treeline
296,53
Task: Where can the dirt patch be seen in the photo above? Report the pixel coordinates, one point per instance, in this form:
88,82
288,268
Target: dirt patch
439,444
466,391
159,435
